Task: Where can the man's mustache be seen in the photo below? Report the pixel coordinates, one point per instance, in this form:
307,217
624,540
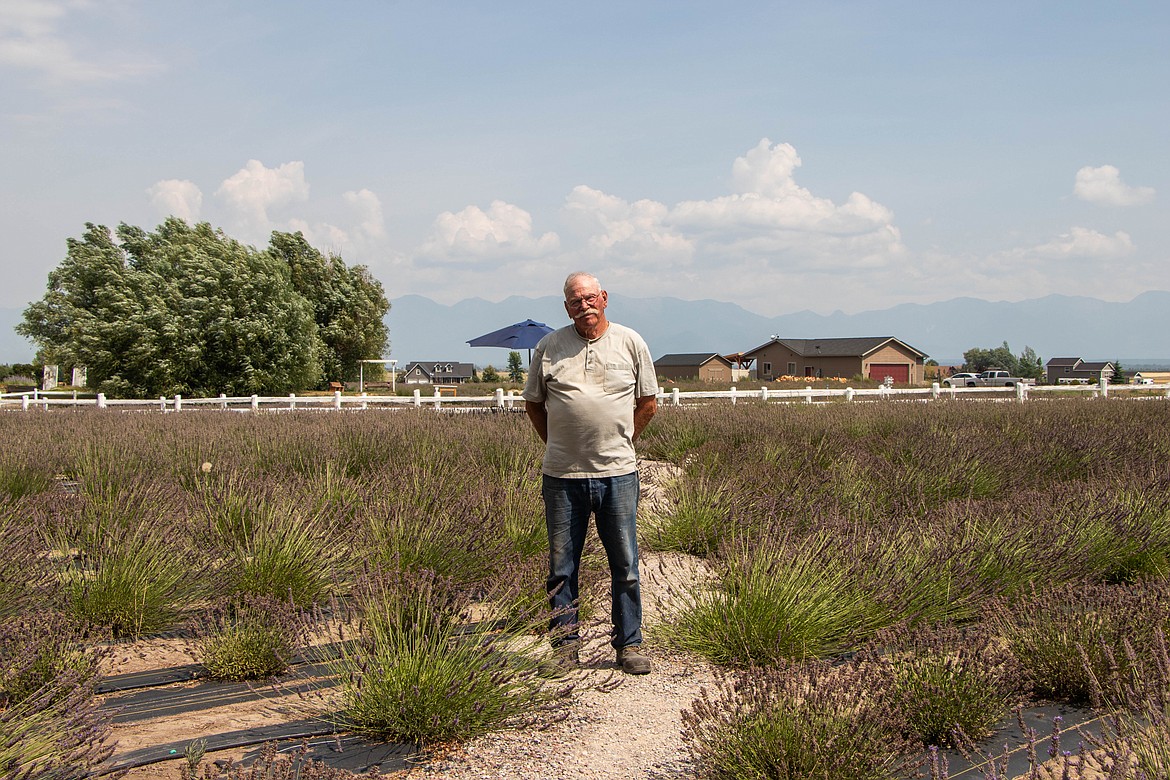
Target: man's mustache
586,313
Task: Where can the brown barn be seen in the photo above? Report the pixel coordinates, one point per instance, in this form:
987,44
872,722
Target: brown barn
705,366
874,357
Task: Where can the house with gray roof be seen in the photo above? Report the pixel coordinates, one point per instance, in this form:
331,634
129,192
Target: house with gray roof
705,366
871,357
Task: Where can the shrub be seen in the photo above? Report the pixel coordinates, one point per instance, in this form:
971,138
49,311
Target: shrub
37,649
250,639
1068,636
130,581
951,685
805,722
419,674
55,733
697,518
779,598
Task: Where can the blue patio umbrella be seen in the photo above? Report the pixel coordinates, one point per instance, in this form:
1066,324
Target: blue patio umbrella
522,335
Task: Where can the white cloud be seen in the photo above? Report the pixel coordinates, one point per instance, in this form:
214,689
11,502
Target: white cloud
1104,186
503,231
610,224
369,210
253,190
31,39
177,197
1082,242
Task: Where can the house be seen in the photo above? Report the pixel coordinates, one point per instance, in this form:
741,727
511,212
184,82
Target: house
1063,371
1151,378
705,366
872,357
437,372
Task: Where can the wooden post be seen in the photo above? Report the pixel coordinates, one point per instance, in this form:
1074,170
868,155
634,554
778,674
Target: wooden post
101,400
255,403
417,397
733,395
808,394
849,393
934,390
178,402
337,400
500,397
674,397
223,400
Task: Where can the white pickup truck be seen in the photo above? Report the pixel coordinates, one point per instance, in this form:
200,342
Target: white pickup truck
1001,379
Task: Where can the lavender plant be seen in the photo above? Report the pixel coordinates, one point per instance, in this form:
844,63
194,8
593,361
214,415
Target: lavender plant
810,721
250,638
422,674
951,684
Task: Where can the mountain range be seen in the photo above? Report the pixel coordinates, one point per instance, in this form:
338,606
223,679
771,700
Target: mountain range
1136,332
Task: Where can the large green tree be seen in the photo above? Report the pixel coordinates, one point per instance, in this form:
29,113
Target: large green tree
184,309
348,305
1027,365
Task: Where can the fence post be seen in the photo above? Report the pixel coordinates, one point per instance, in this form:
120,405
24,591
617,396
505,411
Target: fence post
162,403
337,400
808,394
1104,384
675,400
499,397
848,393
24,402
934,390
733,395
511,399
417,398
255,403
223,400
764,393
178,402
438,398
365,400
101,400
292,400
1021,392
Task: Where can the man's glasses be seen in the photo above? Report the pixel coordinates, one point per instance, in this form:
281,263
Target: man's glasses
584,300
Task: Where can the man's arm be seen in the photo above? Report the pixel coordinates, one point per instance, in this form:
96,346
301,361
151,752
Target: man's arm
538,415
644,409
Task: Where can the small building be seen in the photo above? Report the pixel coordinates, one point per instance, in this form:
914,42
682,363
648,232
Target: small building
437,372
1151,378
704,366
871,357
1066,370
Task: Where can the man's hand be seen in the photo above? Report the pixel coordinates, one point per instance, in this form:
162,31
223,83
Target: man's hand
644,409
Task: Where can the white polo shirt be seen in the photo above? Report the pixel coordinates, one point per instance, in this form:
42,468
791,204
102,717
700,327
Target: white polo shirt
588,388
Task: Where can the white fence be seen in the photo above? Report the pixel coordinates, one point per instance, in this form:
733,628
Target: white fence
509,401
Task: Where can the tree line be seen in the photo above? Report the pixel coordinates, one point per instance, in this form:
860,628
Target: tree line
187,310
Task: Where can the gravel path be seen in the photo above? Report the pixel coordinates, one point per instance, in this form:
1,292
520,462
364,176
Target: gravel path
628,730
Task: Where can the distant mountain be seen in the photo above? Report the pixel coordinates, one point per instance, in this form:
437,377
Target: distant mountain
1137,332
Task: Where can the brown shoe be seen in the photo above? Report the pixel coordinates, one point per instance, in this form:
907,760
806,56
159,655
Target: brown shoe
563,659
632,660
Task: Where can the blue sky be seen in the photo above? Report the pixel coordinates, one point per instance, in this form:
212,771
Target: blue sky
783,156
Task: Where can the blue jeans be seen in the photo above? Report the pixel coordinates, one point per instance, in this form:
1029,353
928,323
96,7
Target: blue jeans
567,506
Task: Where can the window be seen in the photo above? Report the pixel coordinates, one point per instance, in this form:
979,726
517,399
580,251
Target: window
791,369
767,368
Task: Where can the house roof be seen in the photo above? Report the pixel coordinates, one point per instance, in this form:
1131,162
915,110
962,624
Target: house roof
846,347
1063,361
690,359
1086,366
428,367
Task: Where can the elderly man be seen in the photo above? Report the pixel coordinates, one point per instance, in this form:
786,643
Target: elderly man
591,391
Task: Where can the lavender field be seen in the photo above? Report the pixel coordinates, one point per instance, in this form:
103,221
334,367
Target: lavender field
884,578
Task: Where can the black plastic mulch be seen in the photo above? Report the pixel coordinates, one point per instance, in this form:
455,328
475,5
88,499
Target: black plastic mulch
324,744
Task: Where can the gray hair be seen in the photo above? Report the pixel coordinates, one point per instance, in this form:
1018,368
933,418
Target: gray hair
580,275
